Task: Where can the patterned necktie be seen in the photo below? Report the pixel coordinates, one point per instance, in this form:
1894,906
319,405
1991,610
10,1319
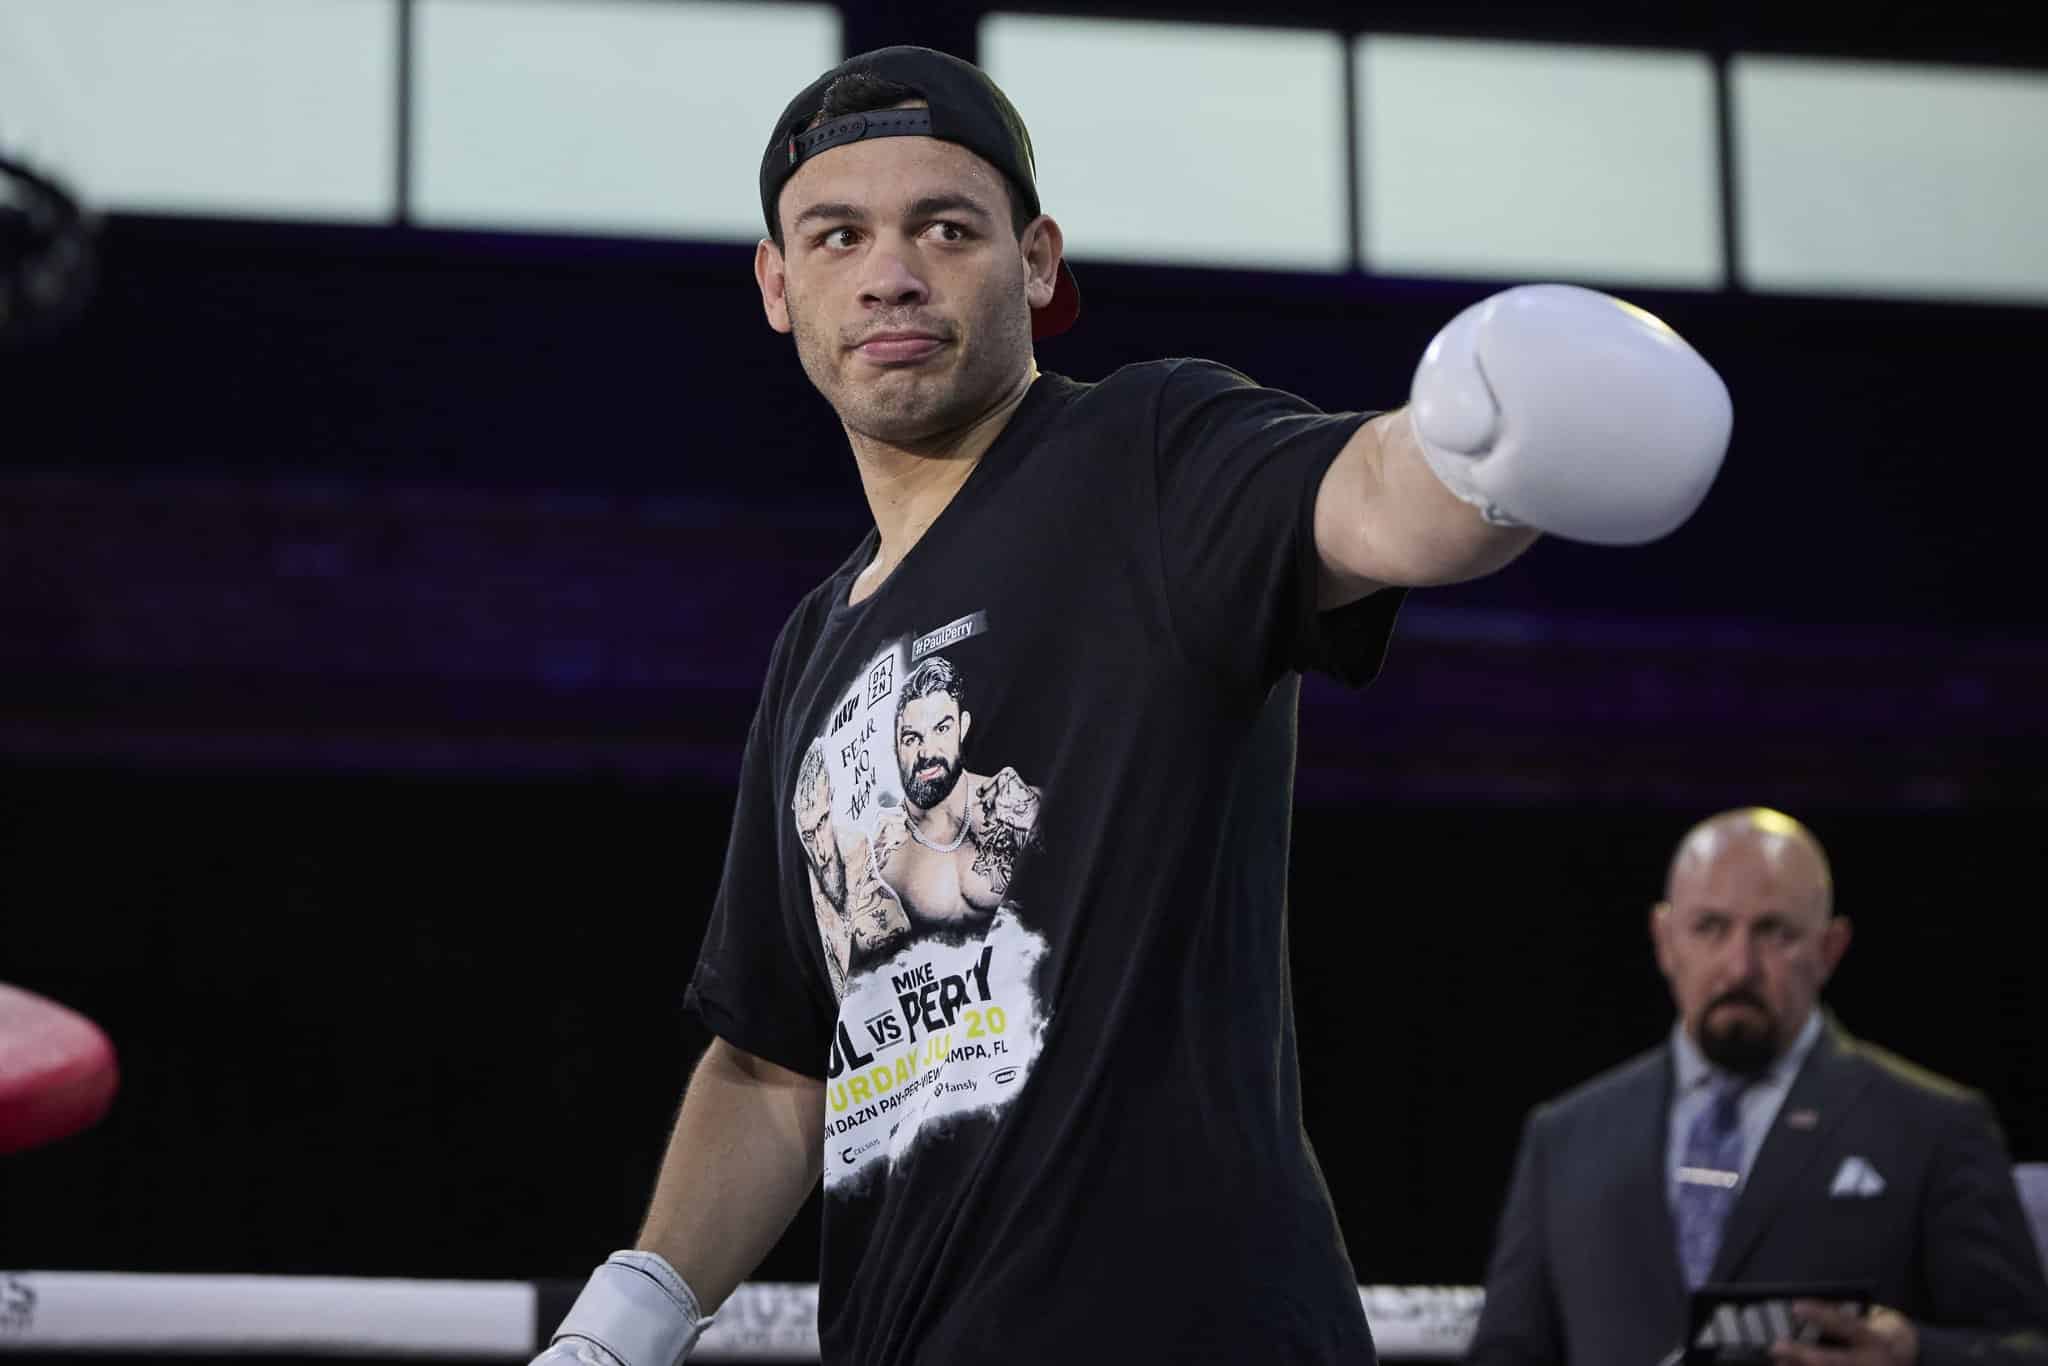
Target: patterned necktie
1708,1174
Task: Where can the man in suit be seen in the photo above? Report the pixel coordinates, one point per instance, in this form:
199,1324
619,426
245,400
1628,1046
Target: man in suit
1761,1145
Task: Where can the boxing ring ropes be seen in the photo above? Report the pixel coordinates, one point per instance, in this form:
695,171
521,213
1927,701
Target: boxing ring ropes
368,1317
58,1074
372,1317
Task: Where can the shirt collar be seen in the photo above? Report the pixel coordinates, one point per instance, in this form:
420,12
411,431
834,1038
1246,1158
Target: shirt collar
1691,1068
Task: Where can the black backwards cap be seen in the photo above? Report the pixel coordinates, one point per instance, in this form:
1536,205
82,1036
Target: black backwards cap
963,106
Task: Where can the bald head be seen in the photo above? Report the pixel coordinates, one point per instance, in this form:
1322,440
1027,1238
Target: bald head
1770,842
1746,934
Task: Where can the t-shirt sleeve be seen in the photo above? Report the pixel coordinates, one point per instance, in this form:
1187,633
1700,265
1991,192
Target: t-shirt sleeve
1238,467
758,983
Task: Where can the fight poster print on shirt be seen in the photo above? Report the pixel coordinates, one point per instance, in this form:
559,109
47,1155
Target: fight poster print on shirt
912,840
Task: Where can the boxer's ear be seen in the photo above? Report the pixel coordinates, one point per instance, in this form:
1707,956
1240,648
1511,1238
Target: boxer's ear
772,275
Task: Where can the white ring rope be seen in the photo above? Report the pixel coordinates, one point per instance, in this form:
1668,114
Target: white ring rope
353,1316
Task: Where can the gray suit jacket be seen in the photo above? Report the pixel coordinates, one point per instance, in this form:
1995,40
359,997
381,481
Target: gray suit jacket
1585,1263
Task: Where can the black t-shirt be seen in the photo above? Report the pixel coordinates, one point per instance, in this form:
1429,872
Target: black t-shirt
1008,871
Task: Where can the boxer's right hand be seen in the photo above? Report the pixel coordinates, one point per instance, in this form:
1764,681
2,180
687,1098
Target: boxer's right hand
634,1311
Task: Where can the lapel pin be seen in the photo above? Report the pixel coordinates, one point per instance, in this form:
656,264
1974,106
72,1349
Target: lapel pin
1802,1119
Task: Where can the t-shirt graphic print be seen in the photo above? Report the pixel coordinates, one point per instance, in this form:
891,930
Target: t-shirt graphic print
911,841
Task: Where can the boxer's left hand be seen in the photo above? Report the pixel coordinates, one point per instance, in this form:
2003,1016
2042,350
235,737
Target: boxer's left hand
1884,1337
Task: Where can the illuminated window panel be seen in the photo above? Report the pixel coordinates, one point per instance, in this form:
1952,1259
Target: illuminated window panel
217,107
1182,143
1874,178
605,116
1523,160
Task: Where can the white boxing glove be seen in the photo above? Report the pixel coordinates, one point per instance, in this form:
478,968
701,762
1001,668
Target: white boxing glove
1570,411
634,1311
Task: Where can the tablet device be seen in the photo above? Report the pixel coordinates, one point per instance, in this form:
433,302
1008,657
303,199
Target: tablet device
1735,1325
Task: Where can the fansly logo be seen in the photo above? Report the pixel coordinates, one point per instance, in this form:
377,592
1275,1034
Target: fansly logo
17,1304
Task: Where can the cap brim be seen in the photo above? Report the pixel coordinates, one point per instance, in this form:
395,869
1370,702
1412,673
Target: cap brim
1061,313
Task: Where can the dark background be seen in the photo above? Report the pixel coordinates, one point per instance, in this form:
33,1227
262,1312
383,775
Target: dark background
381,610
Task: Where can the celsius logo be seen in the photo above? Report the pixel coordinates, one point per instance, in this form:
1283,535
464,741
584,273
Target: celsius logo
1004,1077
847,1154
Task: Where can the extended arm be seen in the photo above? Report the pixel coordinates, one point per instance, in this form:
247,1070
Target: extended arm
1382,517
1545,408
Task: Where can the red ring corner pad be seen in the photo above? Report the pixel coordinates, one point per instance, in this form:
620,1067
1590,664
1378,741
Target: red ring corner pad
57,1071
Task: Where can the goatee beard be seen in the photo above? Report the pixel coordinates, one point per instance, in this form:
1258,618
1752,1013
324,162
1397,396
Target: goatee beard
1742,1049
